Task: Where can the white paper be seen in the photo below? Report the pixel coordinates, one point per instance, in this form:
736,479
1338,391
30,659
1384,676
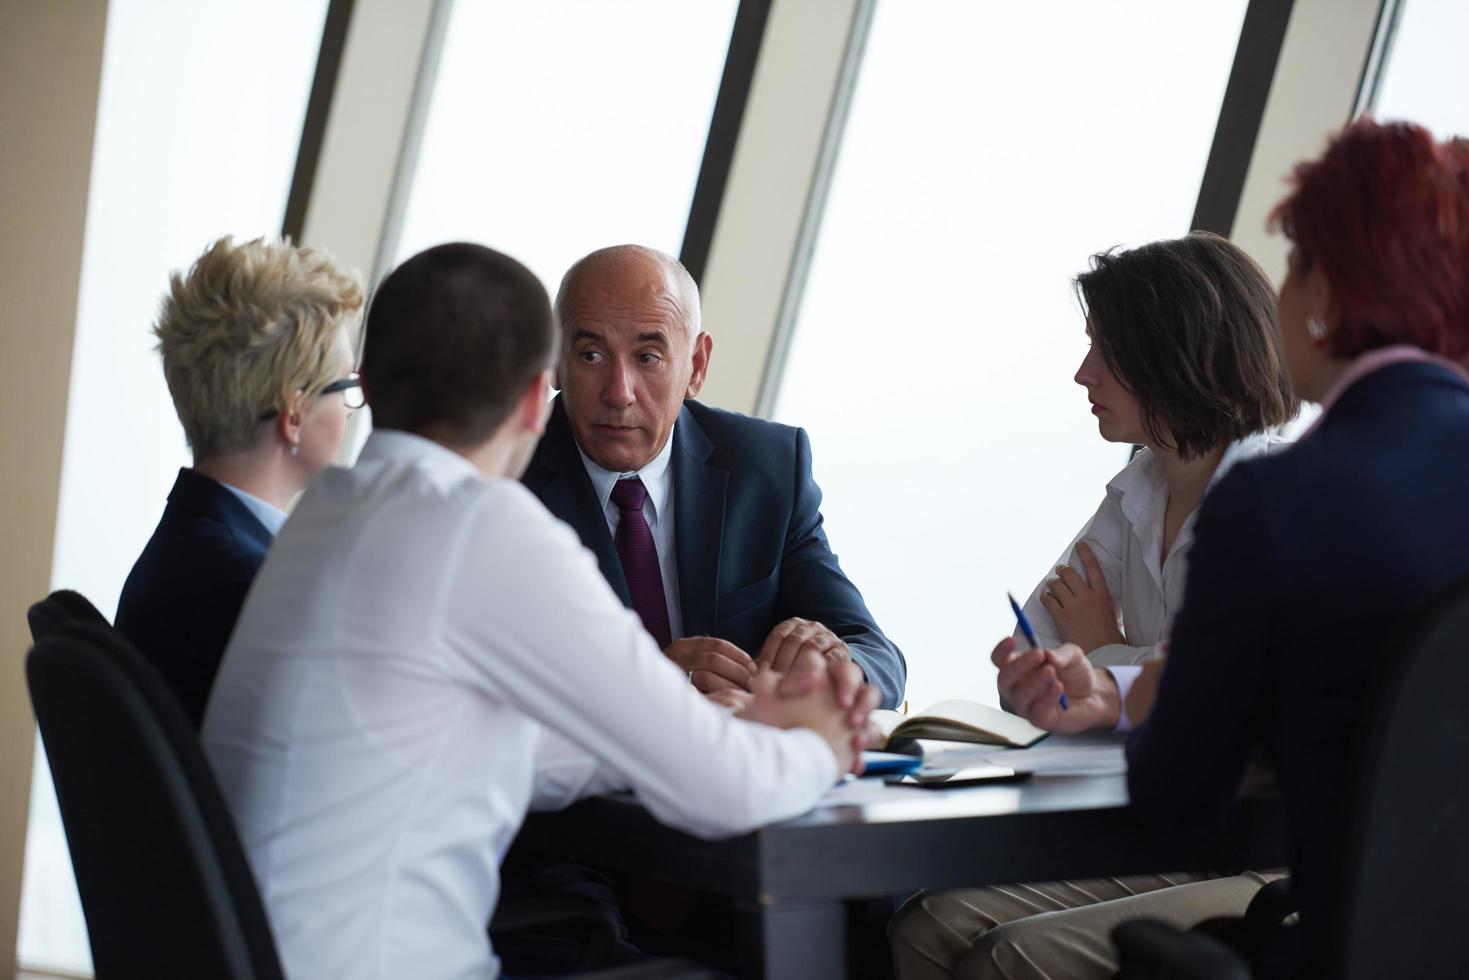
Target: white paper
1046,759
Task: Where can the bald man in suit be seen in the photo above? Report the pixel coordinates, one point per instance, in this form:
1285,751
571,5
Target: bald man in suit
706,522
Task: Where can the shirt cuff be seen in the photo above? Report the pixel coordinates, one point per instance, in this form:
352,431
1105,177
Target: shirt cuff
1124,675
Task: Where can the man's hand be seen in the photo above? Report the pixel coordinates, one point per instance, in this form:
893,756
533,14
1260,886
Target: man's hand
844,678
736,701
809,695
1082,609
712,664
795,636
1032,683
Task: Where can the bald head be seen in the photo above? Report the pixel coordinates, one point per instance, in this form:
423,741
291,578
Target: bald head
625,275
633,352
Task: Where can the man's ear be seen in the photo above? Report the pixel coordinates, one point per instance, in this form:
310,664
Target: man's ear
703,348
563,354
534,406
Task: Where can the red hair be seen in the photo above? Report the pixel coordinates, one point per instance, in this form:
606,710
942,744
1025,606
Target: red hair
1385,212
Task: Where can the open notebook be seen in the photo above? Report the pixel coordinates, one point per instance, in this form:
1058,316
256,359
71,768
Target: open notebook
958,721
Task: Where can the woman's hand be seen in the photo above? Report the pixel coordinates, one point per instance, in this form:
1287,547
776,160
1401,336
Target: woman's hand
1082,608
1032,681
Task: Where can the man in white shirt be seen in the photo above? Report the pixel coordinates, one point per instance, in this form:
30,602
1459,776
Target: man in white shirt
427,653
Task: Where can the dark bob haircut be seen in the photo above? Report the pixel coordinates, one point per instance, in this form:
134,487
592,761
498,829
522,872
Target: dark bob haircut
1188,326
454,335
1385,212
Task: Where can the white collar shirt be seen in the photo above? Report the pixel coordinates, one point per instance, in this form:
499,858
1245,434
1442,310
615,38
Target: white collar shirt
424,655
268,514
1126,535
657,510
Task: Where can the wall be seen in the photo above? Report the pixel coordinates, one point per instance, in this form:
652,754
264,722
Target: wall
50,67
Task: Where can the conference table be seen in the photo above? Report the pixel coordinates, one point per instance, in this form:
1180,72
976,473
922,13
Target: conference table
789,881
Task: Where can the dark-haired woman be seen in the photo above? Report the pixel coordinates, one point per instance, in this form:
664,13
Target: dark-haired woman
1186,362
1310,565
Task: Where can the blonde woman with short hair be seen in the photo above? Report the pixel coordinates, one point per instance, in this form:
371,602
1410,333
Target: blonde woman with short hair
257,353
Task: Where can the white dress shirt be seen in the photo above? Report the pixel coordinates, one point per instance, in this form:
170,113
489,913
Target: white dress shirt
424,655
1126,535
657,510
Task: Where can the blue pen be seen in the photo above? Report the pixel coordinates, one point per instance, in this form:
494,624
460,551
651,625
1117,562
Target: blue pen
1029,632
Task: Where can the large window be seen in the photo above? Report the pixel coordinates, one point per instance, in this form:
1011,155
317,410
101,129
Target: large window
561,126
990,149
1426,75
1423,78
198,121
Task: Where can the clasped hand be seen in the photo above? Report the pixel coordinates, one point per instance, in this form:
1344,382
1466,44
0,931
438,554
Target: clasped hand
715,665
805,678
827,697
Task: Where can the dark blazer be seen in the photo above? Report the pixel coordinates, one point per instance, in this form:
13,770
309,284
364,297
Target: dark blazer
1305,569
182,598
747,531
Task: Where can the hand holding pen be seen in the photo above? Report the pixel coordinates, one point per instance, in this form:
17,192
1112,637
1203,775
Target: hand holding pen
1029,632
1031,682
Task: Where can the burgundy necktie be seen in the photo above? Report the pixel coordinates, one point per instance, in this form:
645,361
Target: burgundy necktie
640,559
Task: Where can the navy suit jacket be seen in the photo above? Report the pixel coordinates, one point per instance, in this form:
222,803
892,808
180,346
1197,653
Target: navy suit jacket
181,600
747,532
1306,568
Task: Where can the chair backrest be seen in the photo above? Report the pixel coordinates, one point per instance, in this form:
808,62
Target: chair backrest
163,879
1402,902
61,608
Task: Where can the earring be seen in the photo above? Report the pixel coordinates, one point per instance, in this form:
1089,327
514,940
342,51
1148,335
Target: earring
295,449
1316,328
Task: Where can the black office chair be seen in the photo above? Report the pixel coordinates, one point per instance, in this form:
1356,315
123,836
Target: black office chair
163,880
1400,908
59,609
162,877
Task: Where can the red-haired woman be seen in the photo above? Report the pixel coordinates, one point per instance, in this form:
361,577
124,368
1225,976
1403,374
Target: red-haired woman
1308,565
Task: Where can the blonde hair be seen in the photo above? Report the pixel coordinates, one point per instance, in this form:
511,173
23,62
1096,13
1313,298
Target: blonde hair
248,326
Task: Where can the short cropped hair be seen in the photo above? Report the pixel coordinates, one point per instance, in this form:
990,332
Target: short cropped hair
248,326
454,335
1188,326
1385,213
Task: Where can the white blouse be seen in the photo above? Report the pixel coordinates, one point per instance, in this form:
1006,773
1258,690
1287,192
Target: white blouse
1126,535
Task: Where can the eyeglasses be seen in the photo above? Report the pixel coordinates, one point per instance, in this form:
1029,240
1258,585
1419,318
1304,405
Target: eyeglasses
350,387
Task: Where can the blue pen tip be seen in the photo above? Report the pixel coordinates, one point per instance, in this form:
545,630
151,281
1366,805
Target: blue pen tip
1030,637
